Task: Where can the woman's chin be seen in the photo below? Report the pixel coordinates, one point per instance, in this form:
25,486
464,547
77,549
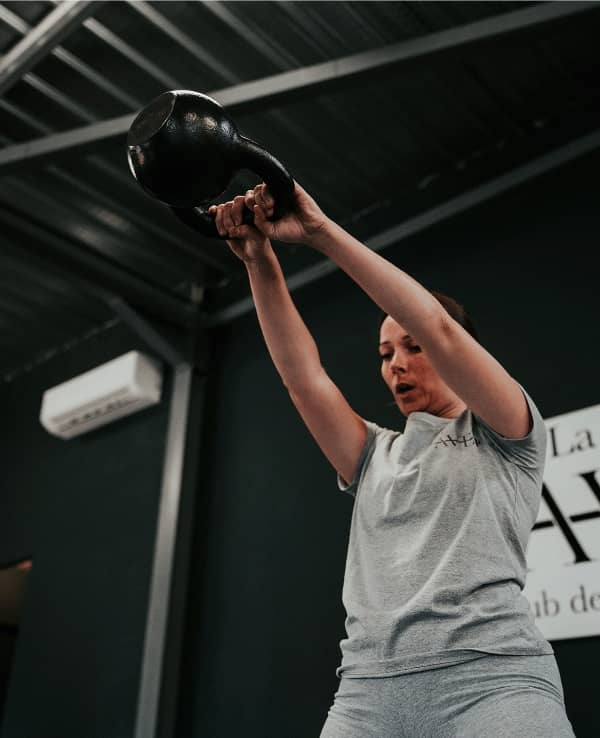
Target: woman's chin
408,405
406,408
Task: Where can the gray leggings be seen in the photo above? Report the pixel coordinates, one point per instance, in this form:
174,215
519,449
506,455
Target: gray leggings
500,696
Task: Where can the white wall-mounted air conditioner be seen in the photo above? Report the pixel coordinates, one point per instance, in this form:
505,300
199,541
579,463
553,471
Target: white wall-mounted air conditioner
120,387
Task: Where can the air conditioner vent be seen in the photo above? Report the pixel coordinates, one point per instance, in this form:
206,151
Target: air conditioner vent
120,387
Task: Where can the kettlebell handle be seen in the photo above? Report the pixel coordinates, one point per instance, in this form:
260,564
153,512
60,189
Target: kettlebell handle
258,160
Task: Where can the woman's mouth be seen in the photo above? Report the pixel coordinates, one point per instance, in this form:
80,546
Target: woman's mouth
402,389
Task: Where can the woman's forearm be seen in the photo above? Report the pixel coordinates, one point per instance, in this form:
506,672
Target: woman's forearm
395,291
292,348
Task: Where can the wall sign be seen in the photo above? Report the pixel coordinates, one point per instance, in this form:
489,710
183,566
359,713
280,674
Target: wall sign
563,554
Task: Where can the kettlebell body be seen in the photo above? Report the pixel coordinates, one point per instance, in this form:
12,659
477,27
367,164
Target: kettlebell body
184,149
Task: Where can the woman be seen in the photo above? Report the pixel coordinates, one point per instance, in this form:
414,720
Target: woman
440,640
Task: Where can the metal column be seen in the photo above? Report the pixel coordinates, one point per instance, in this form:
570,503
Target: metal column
164,553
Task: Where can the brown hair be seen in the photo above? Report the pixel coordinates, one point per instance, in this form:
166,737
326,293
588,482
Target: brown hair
452,307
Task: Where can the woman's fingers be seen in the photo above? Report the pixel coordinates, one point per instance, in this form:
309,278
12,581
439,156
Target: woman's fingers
229,215
224,217
217,211
237,210
267,197
259,217
264,199
228,223
258,196
261,223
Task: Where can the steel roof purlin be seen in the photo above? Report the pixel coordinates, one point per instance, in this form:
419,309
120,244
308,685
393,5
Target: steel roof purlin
279,88
42,39
85,70
157,19
98,276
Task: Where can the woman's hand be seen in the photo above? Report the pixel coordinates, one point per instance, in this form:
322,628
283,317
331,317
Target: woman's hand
299,225
246,241
251,242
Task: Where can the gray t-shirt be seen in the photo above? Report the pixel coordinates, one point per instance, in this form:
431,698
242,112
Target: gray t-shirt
436,553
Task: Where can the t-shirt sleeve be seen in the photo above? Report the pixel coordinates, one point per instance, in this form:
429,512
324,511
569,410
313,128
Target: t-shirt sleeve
372,429
529,452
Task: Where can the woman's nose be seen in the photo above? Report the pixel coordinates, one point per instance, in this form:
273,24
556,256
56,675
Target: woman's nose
398,364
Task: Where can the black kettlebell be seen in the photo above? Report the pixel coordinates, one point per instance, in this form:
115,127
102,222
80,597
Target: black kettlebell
184,149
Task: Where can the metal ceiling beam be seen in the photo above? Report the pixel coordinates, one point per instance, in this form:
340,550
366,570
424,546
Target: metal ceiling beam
197,50
40,41
465,201
280,88
132,55
93,273
20,25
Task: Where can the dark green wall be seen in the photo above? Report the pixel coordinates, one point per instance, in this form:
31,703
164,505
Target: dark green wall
85,510
265,615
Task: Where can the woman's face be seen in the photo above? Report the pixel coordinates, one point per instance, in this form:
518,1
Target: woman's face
413,381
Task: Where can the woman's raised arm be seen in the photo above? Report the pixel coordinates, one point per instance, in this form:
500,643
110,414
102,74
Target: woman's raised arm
337,429
467,368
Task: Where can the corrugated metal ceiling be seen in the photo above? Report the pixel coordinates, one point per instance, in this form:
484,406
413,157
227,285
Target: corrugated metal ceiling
373,150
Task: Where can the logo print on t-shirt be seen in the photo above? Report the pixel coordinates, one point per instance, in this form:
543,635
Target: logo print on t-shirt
465,441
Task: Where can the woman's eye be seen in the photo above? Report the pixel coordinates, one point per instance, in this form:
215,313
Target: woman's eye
411,349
